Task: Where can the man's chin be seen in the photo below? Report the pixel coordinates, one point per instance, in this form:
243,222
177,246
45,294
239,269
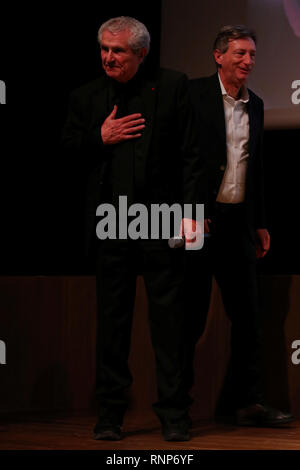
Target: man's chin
241,80
243,75
112,73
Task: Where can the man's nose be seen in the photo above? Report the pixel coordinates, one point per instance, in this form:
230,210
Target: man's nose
248,59
110,56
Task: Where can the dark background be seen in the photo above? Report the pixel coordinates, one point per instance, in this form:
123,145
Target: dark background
46,52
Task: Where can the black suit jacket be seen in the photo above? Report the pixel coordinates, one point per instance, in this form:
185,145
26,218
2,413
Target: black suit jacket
207,99
170,156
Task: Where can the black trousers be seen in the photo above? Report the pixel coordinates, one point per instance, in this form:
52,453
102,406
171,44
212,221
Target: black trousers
118,264
229,255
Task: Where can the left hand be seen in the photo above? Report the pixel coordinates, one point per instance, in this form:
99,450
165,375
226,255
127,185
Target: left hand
262,242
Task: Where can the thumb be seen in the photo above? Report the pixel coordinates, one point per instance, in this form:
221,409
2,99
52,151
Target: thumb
114,112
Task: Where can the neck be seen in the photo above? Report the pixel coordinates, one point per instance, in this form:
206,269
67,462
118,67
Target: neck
233,91
232,88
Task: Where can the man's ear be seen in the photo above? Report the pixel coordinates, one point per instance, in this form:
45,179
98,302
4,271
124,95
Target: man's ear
142,54
218,56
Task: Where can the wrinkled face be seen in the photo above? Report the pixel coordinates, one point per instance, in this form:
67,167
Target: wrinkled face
237,62
118,60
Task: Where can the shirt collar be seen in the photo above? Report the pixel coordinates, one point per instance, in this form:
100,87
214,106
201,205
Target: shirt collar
244,92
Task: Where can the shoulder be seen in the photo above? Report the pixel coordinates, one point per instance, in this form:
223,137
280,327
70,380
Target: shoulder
169,82
256,104
90,88
255,99
204,84
170,76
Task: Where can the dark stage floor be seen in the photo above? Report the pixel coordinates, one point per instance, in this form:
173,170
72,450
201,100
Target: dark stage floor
74,432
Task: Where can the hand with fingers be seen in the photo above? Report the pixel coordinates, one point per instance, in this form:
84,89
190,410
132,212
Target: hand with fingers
114,131
262,242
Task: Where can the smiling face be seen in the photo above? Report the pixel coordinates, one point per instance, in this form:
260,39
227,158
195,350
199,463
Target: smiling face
118,59
237,62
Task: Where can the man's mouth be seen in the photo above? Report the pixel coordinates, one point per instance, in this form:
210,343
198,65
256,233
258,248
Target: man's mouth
109,66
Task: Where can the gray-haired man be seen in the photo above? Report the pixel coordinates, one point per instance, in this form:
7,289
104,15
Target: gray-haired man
138,133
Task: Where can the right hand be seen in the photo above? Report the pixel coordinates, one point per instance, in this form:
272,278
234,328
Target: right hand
192,232
114,131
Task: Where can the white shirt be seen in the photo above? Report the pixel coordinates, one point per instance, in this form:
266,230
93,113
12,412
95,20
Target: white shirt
232,189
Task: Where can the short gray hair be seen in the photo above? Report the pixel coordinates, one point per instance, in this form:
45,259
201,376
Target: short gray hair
230,32
139,36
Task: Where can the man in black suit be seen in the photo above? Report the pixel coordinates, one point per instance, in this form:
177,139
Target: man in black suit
138,134
230,126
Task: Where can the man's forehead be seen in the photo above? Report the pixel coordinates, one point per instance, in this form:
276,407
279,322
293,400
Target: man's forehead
242,43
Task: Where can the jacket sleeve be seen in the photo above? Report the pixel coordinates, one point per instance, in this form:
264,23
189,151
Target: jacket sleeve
259,200
194,181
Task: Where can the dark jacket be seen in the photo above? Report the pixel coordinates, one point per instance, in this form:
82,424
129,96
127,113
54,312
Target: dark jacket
169,157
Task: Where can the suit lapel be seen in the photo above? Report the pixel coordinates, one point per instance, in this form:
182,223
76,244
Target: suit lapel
216,109
148,95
